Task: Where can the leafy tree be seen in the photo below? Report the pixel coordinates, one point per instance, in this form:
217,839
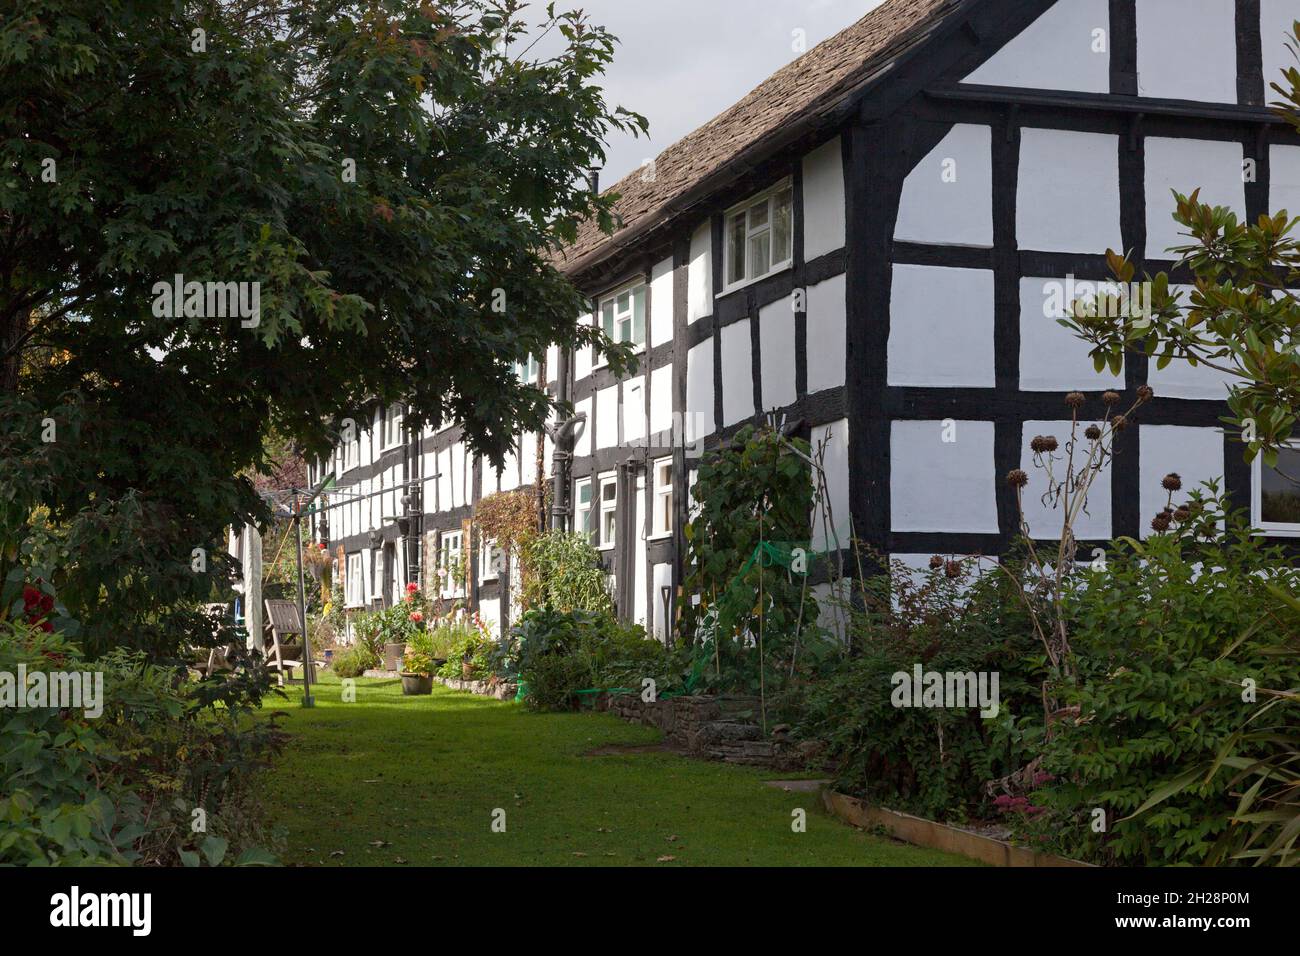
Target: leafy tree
391,179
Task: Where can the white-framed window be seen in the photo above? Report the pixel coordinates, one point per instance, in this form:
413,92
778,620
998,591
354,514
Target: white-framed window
622,317
608,510
662,522
529,371
350,453
583,513
1275,495
449,559
353,581
392,434
759,236
491,561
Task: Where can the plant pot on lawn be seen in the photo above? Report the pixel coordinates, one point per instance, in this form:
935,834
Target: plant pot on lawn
417,684
393,656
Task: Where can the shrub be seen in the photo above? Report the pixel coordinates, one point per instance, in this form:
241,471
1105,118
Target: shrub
565,574
418,658
1168,650
125,787
355,660
471,654
932,760
562,653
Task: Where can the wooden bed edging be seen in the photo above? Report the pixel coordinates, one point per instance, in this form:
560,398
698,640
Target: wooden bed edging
937,836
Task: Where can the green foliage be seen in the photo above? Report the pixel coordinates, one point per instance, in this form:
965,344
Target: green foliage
354,660
471,653
931,761
561,653
566,574
388,175
1160,716
123,787
757,488
419,655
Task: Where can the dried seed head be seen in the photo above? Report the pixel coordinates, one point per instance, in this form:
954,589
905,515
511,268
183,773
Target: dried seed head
1119,423
1145,393
1110,398
1173,482
1017,479
1160,522
1092,433
1044,443
952,569
936,563
1182,514
1075,399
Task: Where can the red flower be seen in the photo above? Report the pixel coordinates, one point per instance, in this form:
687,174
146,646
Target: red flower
412,588
47,603
47,627
417,617
31,596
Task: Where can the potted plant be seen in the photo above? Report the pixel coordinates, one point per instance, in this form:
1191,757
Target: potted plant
417,664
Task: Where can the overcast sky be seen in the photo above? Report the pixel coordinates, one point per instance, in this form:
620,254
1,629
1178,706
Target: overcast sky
682,62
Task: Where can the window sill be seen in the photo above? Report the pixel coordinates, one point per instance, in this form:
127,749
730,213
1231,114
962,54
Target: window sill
748,282
660,536
1277,531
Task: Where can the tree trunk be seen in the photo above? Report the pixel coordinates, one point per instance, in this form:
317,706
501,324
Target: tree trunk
10,334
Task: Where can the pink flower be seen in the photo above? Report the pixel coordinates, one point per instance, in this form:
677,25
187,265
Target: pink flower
412,588
417,617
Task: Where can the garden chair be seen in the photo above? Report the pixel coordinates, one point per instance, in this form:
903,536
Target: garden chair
283,621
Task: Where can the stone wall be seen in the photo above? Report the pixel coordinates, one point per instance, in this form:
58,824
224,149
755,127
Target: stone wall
717,728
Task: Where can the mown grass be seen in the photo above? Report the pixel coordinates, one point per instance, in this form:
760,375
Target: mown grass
393,780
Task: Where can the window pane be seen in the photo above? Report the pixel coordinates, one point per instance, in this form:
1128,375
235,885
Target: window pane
609,492
607,532
1280,494
759,254
624,301
737,241
584,493
758,215
607,318
638,316
782,227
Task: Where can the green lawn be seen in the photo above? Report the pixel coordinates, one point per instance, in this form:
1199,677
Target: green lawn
391,780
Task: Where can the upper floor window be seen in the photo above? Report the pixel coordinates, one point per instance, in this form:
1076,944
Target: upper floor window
583,513
760,236
450,563
392,426
622,316
529,371
1276,497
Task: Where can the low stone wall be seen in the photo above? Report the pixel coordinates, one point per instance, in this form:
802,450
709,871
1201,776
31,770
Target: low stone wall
501,691
717,728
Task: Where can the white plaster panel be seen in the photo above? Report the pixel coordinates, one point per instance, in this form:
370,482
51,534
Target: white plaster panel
1045,520
941,327
490,611
776,353
1052,358
634,409
823,199
582,357
948,197
1180,380
661,400
699,391
1186,165
607,417
1275,28
661,303
582,447
1284,177
1067,198
639,561
510,472
1058,51
552,363
1195,454
528,457
827,331
737,373
942,486
1187,50
699,284
831,524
